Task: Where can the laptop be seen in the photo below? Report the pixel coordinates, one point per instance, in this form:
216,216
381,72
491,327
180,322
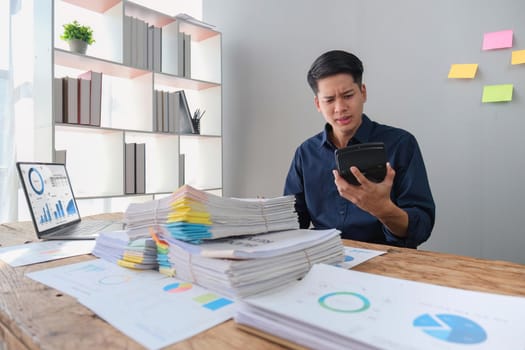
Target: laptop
52,205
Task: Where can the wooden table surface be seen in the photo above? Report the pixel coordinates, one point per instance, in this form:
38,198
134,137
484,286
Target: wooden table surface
34,316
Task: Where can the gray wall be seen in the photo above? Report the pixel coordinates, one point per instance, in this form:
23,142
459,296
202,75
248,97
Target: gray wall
473,151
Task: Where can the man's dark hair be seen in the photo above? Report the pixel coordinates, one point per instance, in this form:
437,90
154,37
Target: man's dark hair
332,63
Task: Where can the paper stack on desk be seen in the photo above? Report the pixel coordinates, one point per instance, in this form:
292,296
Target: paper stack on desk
193,215
242,266
333,308
119,248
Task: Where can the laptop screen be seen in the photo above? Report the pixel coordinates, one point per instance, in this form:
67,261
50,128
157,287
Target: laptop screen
49,195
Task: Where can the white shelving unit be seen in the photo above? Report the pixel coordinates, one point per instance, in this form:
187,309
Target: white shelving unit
95,155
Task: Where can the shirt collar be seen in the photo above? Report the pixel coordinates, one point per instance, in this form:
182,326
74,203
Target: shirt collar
361,136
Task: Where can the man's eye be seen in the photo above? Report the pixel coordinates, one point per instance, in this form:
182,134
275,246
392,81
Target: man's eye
347,96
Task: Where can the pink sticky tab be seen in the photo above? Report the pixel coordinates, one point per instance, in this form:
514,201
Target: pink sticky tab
497,40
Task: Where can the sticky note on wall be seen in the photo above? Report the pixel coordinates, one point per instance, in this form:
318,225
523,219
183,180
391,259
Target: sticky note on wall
497,93
462,71
497,40
518,57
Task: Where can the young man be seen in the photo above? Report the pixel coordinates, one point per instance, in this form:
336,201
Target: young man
398,211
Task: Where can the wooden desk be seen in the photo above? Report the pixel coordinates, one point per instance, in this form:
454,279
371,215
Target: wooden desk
34,316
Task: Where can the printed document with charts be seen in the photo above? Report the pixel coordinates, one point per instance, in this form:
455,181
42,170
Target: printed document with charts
334,308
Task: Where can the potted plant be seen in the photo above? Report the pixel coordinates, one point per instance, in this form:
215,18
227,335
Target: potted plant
77,36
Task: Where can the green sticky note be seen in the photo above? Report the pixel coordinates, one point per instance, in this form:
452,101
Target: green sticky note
497,93
205,298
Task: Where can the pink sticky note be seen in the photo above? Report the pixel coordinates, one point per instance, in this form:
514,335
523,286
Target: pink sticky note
497,40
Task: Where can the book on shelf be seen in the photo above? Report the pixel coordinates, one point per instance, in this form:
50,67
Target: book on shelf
158,110
95,96
60,156
58,103
84,103
70,89
149,51
140,168
129,168
126,41
157,49
182,165
183,114
165,111
172,55
187,55
173,107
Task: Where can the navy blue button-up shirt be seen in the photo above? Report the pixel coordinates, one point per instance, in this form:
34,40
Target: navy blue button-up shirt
318,203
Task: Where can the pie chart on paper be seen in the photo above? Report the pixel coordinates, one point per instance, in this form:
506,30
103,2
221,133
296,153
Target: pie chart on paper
451,328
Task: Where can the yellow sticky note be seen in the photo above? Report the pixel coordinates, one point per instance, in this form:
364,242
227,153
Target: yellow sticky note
497,93
462,71
518,57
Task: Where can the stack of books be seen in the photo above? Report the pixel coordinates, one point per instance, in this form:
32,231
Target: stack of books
243,266
193,215
117,247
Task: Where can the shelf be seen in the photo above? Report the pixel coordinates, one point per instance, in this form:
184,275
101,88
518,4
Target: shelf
83,62
183,83
150,16
99,6
197,32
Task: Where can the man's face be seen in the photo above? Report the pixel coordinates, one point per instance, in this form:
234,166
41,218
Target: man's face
340,101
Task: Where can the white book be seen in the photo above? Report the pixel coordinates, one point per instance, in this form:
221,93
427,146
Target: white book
84,94
140,168
129,168
171,53
71,100
58,100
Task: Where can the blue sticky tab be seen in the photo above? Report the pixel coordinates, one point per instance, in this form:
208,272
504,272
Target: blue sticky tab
217,304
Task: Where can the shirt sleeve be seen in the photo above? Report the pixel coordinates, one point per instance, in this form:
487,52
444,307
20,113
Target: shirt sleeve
411,192
294,186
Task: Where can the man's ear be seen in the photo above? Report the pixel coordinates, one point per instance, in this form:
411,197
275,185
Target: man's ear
316,102
363,91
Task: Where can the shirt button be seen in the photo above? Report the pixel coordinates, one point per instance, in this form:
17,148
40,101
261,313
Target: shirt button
341,212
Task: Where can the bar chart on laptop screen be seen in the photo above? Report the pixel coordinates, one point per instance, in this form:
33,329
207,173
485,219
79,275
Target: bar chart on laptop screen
49,195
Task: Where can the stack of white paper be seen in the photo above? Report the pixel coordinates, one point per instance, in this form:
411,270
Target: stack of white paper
119,248
193,215
243,266
333,308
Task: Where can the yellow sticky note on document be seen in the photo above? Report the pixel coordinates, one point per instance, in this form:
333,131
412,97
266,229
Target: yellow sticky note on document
497,93
463,71
518,57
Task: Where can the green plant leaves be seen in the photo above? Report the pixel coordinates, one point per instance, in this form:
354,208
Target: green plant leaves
75,30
